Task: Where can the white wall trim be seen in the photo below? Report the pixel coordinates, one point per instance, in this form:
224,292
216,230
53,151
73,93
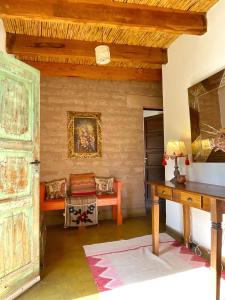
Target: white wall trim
2,37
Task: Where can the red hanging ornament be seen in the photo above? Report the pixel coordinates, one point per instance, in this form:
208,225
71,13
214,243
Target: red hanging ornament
187,162
164,162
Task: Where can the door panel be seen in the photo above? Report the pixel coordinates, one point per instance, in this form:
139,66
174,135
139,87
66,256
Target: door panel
154,149
155,123
16,119
15,174
19,179
155,140
154,172
153,158
15,239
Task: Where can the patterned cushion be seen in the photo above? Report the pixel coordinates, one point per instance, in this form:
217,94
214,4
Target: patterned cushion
82,184
104,185
56,189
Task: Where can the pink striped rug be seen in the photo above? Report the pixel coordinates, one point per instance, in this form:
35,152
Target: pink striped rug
128,269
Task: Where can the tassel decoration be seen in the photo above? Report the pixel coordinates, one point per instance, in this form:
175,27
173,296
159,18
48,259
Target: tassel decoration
164,162
187,162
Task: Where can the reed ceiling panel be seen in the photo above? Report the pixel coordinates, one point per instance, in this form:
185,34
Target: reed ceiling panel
69,30
104,33
191,5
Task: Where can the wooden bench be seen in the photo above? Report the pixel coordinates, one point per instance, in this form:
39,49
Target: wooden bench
113,200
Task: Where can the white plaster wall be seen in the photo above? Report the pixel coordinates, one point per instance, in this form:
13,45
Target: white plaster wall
191,59
2,37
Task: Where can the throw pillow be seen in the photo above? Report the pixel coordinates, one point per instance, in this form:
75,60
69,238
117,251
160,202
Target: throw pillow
104,185
82,184
56,189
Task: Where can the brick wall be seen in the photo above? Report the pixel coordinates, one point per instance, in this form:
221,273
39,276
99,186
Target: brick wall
121,105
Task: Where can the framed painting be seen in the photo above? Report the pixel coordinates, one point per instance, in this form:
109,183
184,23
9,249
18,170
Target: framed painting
207,117
84,134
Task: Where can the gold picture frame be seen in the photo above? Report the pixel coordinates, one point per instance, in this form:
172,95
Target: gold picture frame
84,134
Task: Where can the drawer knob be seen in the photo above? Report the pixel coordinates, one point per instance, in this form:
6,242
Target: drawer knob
189,199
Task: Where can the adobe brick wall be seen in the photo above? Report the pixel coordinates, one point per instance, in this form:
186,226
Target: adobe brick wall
121,105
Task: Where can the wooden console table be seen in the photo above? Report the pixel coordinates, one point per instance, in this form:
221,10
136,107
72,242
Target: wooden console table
206,197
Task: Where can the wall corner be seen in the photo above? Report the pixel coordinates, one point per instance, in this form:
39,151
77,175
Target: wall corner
2,37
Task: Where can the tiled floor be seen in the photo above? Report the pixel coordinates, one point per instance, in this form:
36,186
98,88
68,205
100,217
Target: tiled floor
66,275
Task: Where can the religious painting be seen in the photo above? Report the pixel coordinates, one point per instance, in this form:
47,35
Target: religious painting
207,117
84,134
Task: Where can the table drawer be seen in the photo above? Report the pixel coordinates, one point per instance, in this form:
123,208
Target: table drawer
191,199
164,192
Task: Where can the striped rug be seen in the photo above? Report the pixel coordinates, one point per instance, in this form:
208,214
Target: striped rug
127,269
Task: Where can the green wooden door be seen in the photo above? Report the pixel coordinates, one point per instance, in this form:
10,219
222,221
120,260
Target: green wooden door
19,179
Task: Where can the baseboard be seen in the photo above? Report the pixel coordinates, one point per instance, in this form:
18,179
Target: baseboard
23,288
179,237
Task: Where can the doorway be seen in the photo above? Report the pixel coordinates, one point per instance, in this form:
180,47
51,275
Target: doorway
154,150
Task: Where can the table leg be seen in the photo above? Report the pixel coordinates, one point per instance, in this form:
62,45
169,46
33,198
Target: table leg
186,224
216,244
155,221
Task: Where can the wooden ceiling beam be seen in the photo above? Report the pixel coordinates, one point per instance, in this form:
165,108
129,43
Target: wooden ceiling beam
96,72
107,13
32,46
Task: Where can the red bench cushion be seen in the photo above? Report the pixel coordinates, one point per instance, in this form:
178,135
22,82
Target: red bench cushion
82,184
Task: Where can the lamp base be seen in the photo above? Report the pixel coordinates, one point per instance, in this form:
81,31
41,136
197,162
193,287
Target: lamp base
176,172
173,180
180,179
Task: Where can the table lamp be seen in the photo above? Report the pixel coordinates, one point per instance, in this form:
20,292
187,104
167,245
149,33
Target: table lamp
175,149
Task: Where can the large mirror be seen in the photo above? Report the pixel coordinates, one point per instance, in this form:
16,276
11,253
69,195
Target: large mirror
207,116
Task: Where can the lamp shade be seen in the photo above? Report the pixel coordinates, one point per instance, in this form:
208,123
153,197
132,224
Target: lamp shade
102,55
176,148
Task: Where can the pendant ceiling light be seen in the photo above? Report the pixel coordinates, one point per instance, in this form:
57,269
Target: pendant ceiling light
102,55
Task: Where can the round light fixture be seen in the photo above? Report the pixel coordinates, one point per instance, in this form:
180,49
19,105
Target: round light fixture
102,55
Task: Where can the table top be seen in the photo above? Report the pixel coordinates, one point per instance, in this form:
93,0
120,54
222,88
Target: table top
216,191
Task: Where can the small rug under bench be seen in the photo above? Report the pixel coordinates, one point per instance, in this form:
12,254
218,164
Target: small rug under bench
127,269
81,211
